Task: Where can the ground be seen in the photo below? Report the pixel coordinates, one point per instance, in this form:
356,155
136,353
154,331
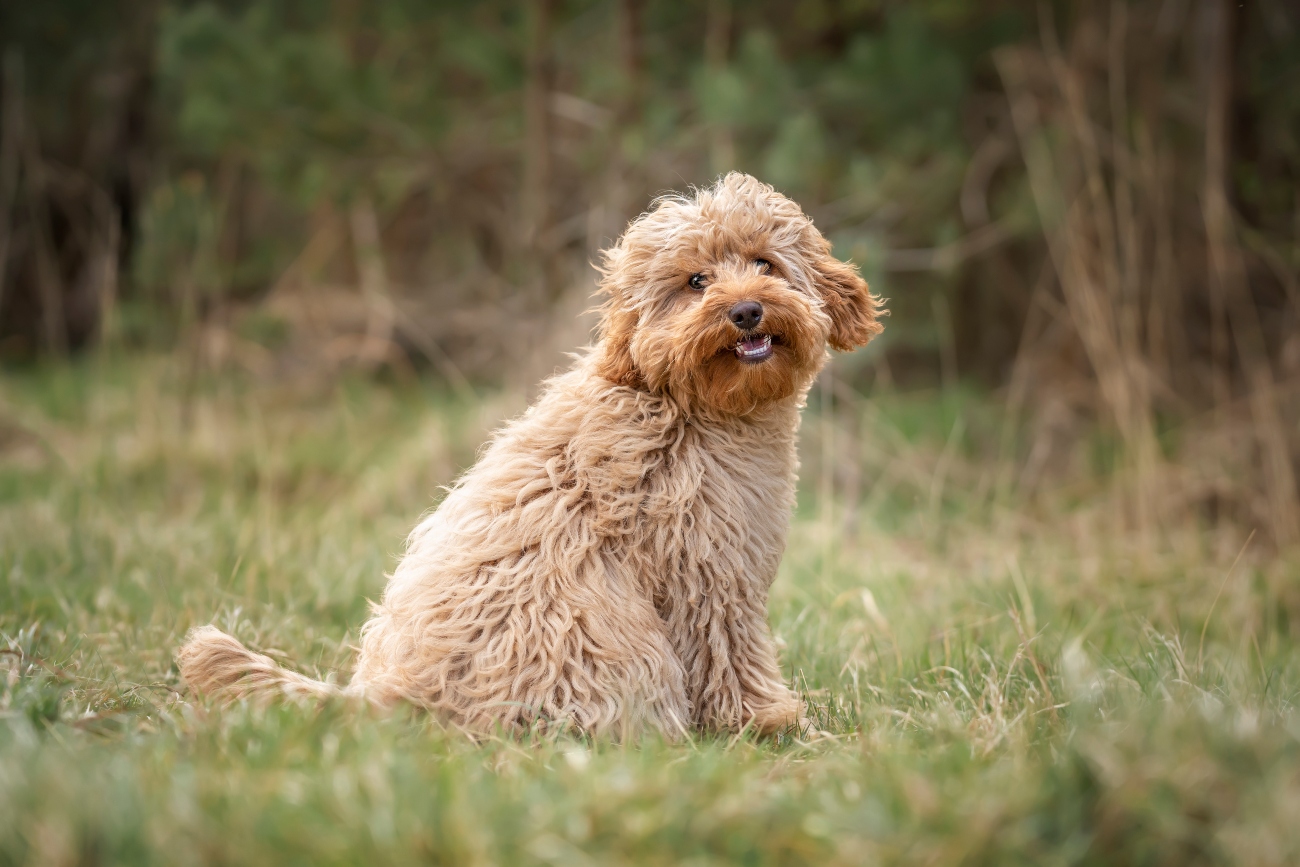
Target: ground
1006,671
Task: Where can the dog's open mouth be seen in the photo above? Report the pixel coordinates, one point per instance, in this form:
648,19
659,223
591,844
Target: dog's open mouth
754,348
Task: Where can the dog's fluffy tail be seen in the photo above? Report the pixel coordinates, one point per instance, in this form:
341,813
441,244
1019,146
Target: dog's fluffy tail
214,663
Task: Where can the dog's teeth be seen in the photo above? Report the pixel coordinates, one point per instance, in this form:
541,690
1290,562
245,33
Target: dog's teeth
760,347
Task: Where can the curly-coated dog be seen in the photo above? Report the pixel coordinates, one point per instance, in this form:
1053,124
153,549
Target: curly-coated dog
606,563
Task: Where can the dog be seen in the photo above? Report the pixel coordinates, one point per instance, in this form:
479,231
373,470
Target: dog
605,565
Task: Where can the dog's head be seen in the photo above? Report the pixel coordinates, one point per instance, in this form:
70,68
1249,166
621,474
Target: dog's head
727,300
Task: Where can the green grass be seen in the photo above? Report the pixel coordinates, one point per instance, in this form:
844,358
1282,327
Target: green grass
1006,676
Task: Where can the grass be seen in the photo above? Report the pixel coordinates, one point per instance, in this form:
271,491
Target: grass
1007,675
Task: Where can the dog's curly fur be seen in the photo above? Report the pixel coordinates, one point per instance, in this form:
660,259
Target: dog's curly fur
606,564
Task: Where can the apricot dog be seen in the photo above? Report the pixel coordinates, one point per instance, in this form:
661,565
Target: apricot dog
606,563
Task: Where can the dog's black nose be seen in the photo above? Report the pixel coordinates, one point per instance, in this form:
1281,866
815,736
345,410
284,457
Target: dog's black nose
746,315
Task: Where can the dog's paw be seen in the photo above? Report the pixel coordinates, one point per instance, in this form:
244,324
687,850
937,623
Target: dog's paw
776,716
806,730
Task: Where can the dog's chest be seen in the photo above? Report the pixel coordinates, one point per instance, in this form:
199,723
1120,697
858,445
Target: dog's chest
719,503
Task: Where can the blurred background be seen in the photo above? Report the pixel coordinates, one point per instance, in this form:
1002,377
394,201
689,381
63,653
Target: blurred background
1088,212
271,270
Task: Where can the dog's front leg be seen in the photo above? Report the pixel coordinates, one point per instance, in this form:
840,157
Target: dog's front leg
723,640
767,704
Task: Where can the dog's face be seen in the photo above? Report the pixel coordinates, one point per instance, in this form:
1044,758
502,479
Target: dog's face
727,300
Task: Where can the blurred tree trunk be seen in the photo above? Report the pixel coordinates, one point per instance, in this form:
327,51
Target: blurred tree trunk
615,205
537,145
1232,308
630,51
11,119
74,155
717,43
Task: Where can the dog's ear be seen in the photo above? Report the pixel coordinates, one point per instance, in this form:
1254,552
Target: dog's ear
854,311
618,320
615,363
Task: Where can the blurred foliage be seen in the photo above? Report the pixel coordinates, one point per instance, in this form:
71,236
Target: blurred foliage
316,104
497,146
287,110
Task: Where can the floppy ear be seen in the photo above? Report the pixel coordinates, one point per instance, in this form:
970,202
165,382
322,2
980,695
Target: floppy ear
617,322
615,363
854,311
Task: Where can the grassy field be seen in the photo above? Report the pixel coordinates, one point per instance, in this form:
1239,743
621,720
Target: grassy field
1007,672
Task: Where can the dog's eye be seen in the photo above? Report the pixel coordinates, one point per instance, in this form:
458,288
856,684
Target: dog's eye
763,265
698,282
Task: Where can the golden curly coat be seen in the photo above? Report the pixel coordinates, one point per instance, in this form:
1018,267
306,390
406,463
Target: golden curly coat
606,563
